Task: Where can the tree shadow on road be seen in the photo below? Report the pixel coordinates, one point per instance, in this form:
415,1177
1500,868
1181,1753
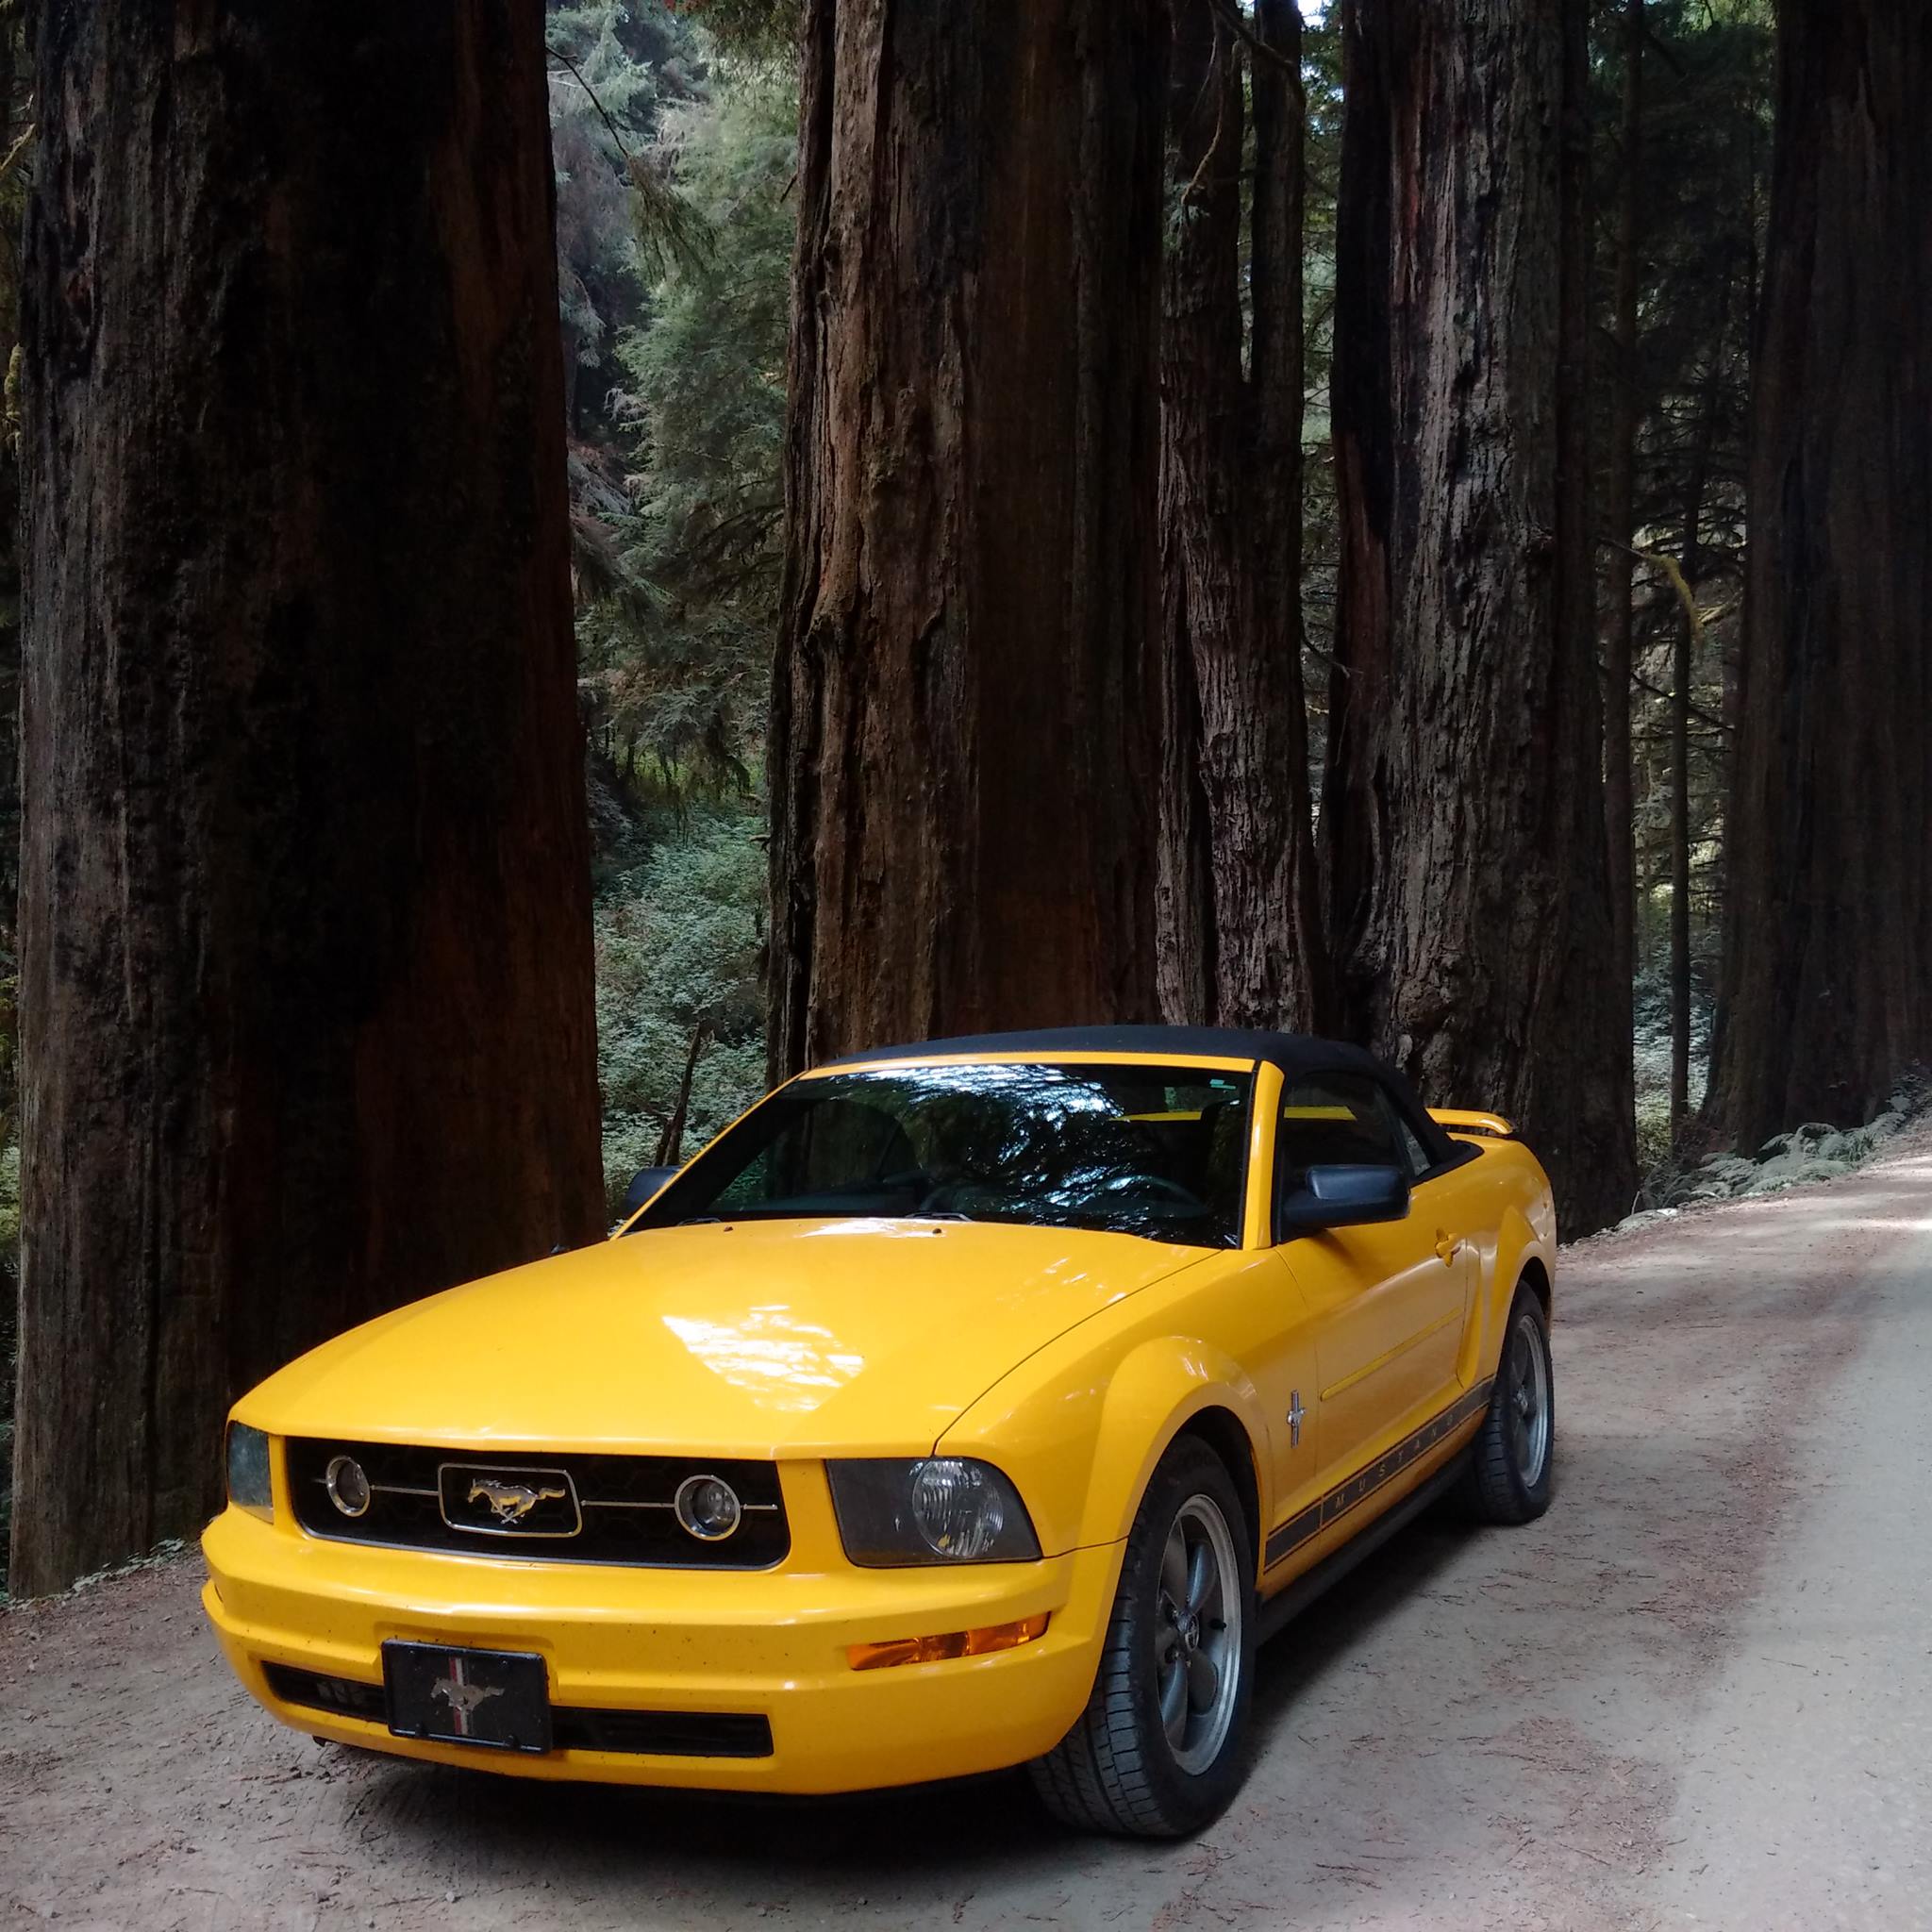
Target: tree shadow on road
1319,1640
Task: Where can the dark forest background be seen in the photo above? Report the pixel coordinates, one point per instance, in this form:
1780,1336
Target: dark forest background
1464,479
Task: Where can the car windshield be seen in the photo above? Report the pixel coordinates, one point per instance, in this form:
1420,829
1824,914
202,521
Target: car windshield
1155,1151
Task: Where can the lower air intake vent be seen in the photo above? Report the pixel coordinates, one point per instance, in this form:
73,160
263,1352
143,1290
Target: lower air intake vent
639,1733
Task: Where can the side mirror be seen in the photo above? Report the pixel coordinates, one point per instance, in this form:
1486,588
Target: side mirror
643,1185
1343,1197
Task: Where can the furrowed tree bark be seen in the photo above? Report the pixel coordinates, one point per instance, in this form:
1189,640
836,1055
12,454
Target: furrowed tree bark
1364,432
1827,962
1621,630
1240,936
1286,973
965,698
13,128
1467,854
305,944
1202,612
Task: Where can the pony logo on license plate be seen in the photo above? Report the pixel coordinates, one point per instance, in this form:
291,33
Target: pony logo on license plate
496,1698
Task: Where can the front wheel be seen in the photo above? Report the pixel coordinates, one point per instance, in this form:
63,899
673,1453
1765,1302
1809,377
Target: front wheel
1160,1748
1510,1462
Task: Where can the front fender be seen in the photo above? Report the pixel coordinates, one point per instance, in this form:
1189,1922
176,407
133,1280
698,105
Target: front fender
1162,1386
1081,1437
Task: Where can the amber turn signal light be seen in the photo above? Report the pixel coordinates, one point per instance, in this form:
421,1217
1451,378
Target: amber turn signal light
928,1650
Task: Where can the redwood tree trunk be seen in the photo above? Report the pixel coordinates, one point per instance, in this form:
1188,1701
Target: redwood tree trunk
1363,418
962,746
13,114
1466,806
1621,627
1201,609
1827,970
1240,939
1281,975
306,948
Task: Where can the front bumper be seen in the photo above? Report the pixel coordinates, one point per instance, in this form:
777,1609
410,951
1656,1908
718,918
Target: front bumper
771,1643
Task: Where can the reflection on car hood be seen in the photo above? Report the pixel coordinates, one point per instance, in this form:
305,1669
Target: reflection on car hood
792,1337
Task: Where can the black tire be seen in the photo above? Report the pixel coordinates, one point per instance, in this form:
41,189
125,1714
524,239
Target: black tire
1118,1770
1511,1459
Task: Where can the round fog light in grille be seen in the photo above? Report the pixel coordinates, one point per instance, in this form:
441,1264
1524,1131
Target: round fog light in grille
348,1485
709,1509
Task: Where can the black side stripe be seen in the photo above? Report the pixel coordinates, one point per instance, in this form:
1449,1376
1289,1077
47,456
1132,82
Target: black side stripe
1293,1534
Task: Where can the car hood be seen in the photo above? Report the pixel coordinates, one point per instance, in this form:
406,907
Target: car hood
754,1337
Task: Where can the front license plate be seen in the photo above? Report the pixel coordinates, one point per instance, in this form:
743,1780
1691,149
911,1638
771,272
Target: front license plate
496,1698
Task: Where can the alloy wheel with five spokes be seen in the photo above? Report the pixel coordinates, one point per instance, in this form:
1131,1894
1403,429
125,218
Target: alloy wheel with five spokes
1160,1747
1197,1634
1530,1397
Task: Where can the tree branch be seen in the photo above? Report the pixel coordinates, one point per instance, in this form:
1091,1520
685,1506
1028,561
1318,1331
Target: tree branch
603,112
1697,711
1230,17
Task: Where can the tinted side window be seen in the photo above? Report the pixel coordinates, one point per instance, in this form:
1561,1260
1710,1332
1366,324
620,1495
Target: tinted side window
1339,1120
1418,1161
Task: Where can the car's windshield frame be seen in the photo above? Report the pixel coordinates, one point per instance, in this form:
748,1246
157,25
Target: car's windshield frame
694,1195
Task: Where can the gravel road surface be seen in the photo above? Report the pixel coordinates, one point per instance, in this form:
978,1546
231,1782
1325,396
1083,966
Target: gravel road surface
1698,1692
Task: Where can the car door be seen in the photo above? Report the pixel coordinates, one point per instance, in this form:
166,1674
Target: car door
1389,1302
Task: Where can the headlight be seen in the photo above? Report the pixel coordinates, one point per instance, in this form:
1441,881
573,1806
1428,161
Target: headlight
248,1478
939,1510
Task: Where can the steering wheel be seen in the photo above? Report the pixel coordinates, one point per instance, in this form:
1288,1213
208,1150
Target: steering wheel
1156,1184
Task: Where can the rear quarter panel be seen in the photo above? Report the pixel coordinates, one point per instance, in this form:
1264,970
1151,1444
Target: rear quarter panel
1513,1219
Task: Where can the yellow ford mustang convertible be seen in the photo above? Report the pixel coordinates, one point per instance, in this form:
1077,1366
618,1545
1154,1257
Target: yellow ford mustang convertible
964,1406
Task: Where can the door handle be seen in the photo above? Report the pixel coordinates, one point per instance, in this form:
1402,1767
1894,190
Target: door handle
1447,1247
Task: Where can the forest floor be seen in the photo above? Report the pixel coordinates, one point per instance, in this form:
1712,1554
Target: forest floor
1699,1691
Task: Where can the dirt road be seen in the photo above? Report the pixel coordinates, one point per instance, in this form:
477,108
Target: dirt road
1700,1691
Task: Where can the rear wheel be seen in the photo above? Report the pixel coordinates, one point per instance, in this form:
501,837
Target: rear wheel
1510,1460
1160,1750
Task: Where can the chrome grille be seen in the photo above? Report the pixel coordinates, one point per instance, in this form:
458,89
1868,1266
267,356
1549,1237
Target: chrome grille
624,1504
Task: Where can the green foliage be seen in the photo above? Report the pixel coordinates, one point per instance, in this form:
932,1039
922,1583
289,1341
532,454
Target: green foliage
675,504
710,371
614,67
766,29
10,1226
681,671
679,940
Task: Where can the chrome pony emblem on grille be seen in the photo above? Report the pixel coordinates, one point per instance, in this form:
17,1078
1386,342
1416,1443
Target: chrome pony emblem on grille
498,1499
512,1502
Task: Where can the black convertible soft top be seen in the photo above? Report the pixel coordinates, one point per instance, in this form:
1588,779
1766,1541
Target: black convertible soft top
1297,1055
